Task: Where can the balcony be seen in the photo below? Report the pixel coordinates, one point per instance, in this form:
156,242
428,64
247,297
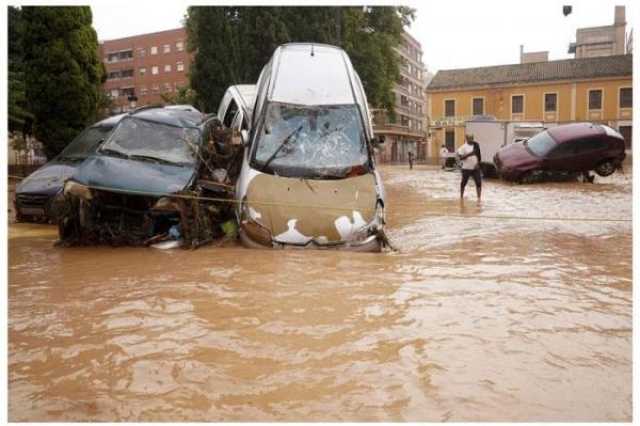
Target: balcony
398,129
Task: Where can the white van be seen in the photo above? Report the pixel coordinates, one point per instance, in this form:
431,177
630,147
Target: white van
308,177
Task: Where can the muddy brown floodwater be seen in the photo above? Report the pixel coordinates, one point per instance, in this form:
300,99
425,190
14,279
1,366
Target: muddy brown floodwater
473,319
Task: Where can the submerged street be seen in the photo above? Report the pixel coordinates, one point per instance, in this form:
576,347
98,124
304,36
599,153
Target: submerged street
473,319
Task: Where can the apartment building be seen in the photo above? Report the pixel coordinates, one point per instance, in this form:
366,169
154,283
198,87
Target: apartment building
142,67
405,132
597,89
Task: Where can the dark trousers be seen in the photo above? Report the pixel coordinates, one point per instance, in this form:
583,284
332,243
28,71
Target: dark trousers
475,174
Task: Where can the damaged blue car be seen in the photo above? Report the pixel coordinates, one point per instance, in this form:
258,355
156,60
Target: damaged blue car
142,184
35,192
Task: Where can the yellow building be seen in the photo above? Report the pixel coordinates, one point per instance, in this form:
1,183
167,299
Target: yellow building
555,92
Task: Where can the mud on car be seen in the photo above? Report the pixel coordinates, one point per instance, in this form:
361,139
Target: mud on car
562,151
146,182
308,176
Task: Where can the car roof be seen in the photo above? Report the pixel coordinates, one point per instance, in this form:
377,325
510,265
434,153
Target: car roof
302,73
176,115
569,132
109,121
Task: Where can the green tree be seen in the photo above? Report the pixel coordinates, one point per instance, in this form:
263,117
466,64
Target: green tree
232,44
62,70
182,96
19,117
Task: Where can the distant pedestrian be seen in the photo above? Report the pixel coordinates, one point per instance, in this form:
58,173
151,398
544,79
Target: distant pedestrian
410,159
444,155
471,157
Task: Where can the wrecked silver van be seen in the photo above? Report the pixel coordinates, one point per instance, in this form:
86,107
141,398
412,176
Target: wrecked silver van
308,177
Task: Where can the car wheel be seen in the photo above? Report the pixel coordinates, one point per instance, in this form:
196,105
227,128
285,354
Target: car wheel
606,168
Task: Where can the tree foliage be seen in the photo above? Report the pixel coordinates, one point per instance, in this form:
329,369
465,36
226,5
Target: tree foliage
182,96
62,72
19,117
232,44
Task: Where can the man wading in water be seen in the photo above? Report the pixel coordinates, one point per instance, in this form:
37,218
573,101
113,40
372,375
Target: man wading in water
470,156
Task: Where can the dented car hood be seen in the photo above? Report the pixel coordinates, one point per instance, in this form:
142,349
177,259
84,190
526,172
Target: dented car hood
121,174
298,211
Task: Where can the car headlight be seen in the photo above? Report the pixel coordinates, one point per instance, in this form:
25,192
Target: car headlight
79,190
251,225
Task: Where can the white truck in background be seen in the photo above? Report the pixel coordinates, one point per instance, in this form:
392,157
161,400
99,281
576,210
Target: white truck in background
492,135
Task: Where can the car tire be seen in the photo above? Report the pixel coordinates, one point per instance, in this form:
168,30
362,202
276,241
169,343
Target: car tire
606,168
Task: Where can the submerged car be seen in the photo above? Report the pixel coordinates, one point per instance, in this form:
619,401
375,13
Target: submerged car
566,149
308,176
142,184
35,192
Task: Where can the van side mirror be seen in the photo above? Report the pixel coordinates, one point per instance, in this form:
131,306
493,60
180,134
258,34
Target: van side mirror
244,136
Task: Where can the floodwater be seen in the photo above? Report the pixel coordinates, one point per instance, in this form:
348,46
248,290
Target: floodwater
474,318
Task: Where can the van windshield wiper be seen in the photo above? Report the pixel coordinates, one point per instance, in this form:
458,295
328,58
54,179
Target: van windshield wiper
71,158
153,159
114,152
284,142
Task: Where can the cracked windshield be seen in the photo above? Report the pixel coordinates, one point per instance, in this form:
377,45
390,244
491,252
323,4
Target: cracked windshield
312,140
148,139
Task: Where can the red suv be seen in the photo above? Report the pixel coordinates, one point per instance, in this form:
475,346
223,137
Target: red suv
569,148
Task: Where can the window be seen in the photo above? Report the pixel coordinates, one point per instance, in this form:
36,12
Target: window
134,136
310,153
126,73
120,56
231,112
154,50
142,52
167,68
143,91
450,140
155,88
478,106
590,145
180,66
403,100
113,75
115,93
450,108
166,87
154,70
595,99
404,120
142,71
565,149
626,100
179,46
517,104
540,144
128,91
550,102
166,48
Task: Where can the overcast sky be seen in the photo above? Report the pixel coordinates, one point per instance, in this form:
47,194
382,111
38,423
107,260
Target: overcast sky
453,33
